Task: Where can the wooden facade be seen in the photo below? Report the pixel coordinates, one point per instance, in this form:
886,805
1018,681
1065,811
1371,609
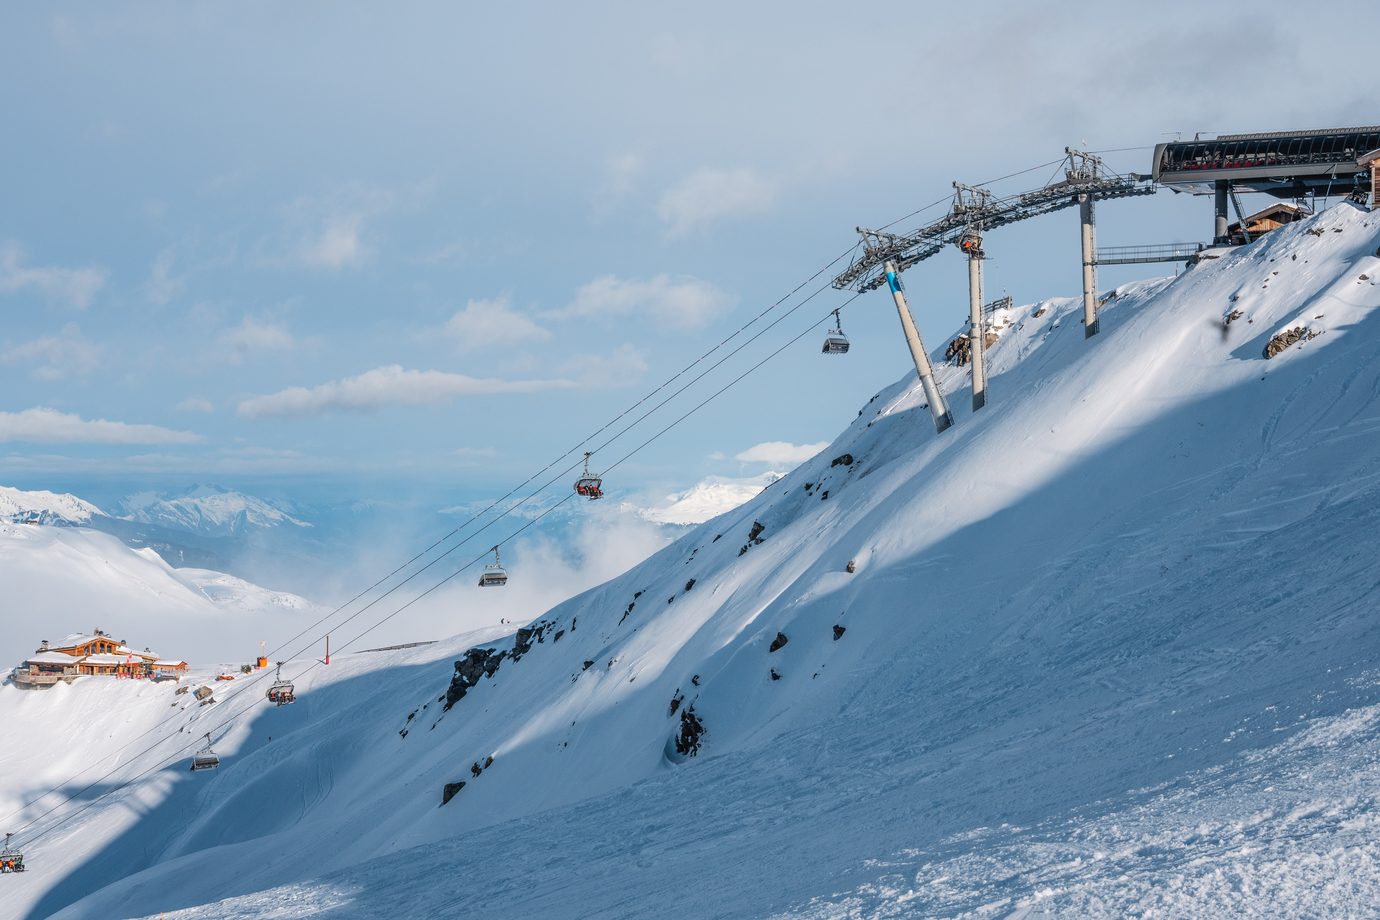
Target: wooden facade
1372,160
1263,221
95,654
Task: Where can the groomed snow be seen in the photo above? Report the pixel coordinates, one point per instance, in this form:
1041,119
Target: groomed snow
1109,650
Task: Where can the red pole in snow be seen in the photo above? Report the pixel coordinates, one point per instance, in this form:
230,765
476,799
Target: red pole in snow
328,648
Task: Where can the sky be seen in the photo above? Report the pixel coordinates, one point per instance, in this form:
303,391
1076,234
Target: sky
336,248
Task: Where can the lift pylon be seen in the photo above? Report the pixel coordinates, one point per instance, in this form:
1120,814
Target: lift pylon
942,418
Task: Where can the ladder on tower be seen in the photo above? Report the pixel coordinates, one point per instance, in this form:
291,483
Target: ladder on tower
1240,214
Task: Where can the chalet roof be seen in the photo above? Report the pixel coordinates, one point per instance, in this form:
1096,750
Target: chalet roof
126,650
1279,207
1366,159
178,663
76,639
51,658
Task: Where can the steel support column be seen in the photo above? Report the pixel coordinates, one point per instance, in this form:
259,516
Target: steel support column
976,339
942,418
1089,236
1220,217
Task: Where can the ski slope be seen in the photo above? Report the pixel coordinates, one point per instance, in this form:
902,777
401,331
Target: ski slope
1108,649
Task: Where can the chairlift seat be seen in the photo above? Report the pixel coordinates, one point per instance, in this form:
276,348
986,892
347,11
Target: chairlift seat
11,860
493,576
282,693
208,761
835,344
591,487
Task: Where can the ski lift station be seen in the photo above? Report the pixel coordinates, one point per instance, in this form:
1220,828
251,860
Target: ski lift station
1297,165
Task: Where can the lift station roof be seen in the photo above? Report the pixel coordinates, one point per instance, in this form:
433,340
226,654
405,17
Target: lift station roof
1287,164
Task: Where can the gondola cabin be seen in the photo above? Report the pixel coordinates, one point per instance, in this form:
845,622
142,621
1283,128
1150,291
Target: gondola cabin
836,343
494,575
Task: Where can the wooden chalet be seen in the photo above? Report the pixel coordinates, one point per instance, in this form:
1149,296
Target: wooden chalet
94,653
1371,161
1263,221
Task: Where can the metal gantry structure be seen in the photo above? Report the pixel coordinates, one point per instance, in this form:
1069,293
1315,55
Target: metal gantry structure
976,211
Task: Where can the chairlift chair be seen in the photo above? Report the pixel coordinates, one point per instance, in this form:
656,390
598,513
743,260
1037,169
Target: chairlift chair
835,342
589,485
205,758
282,691
494,575
11,860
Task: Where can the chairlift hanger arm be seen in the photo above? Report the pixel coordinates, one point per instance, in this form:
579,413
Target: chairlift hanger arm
974,206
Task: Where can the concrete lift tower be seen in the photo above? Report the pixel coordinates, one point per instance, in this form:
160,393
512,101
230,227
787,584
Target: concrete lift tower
973,202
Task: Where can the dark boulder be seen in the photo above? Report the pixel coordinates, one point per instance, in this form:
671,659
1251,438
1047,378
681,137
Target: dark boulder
691,730
778,642
448,792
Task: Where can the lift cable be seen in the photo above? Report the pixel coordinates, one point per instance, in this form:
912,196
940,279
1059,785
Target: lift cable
274,653
230,719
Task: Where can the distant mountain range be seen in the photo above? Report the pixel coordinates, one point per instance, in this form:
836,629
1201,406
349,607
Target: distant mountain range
207,509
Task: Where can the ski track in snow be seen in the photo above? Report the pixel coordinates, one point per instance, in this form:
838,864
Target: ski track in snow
1110,651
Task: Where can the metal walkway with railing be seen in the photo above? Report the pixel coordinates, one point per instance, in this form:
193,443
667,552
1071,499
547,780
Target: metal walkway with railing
1159,252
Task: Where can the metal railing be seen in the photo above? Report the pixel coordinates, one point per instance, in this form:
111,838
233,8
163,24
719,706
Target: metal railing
1158,252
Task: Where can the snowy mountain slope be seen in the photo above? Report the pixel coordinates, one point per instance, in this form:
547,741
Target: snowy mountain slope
40,507
1109,645
210,510
59,580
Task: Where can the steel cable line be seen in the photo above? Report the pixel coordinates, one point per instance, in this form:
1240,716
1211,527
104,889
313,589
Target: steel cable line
476,516
236,691
473,518
476,560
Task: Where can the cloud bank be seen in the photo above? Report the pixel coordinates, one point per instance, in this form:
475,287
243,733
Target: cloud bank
384,387
48,426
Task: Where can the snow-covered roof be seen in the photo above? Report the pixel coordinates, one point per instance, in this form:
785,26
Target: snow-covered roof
51,658
126,650
179,663
76,639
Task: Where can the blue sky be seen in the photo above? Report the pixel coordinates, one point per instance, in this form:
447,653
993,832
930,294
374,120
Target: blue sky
315,245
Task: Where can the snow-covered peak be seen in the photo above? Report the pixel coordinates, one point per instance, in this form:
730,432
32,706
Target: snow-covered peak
708,498
211,510
39,507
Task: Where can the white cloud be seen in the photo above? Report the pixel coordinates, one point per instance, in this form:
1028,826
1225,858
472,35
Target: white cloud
383,387
195,404
781,453
338,244
484,323
681,302
161,286
624,365
252,335
56,356
73,287
48,426
707,195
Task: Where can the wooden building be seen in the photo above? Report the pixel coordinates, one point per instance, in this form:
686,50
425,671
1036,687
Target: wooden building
1371,161
1263,221
95,653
